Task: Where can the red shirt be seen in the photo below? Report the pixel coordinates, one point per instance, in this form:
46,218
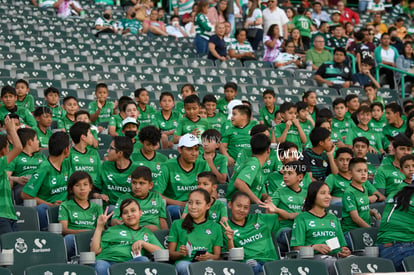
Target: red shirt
347,16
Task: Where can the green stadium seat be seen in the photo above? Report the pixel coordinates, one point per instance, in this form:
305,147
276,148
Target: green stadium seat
220,268
30,74
170,153
83,241
53,214
59,269
218,72
324,100
116,68
362,237
142,268
84,103
240,79
280,73
304,74
200,63
4,73
68,75
247,72
267,81
187,71
16,65
257,89
156,87
6,81
335,210
408,263
288,90
230,63
80,85
27,218
10,56
169,62
143,61
67,58
162,236
199,88
280,98
388,95
172,78
154,70
5,271
362,264
352,90
133,77
378,206
53,66
321,91
88,67
68,92
38,102
104,141
44,83
297,82
103,76
295,267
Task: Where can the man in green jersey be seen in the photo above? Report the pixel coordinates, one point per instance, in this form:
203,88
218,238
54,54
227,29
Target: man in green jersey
249,177
43,116
395,123
389,178
153,216
304,25
340,123
9,97
215,118
83,157
130,25
149,138
114,177
8,218
180,176
26,163
48,185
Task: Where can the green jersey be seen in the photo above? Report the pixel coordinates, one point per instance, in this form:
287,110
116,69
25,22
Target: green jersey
114,182
272,164
292,134
26,103
49,184
25,116
355,199
203,26
179,108
156,164
205,236
290,201
77,217
24,165
166,123
217,211
309,229
152,208
373,137
222,106
337,184
220,162
43,137
116,242
57,112
389,178
237,138
146,116
377,125
134,25
307,128
371,172
186,126
255,236
396,225
250,172
116,120
6,203
65,123
391,131
275,181
266,116
177,183
105,113
341,128
217,121
304,24
89,161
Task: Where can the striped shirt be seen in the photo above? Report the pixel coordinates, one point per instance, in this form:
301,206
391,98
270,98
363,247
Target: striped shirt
203,26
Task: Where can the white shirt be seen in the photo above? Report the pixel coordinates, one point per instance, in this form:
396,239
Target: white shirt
278,17
387,55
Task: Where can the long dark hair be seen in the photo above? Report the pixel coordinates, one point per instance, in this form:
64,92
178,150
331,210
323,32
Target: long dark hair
225,11
403,198
74,179
255,5
408,130
412,54
313,190
270,30
188,223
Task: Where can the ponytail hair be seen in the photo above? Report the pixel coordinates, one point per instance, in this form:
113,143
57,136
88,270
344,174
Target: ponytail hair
403,198
188,223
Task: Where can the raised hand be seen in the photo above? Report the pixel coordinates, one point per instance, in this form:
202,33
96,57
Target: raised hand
228,232
102,219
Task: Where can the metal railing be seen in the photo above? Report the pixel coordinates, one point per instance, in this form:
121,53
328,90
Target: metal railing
403,74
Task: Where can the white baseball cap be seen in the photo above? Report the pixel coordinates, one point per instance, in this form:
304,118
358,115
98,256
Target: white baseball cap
129,120
188,140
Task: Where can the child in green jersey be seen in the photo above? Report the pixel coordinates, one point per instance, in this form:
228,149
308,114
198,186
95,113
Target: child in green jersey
218,210
24,99
230,93
340,124
360,146
389,178
371,92
252,232
378,120
314,227
186,90
48,185
26,163
237,136
352,103
166,119
407,168
191,122
195,233
84,116
395,123
249,177
71,106
82,156
43,116
309,98
203,111
130,129
146,111
290,129
9,97
115,123
125,242
52,101
8,216
101,110
77,214
305,119
267,112
215,118
355,203
211,139
153,216
396,232
339,182
149,138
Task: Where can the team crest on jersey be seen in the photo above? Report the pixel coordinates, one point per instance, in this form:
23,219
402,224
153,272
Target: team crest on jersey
208,231
66,177
158,166
20,246
91,160
129,179
214,215
257,226
154,203
333,225
145,238
324,163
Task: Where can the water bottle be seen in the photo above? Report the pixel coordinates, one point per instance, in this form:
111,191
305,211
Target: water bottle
309,65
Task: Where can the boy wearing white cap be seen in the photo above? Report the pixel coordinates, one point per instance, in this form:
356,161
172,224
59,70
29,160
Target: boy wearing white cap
130,129
180,177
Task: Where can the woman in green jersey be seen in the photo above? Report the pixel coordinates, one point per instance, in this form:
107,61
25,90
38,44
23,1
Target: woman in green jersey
195,238
77,214
396,233
316,228
125,242
252,232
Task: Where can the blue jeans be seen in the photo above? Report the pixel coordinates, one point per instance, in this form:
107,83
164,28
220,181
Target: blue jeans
396,253
362,5
70,246
281,240
181,267
256,266
42,213
102,266
174,211
7,225
348,240
201,45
